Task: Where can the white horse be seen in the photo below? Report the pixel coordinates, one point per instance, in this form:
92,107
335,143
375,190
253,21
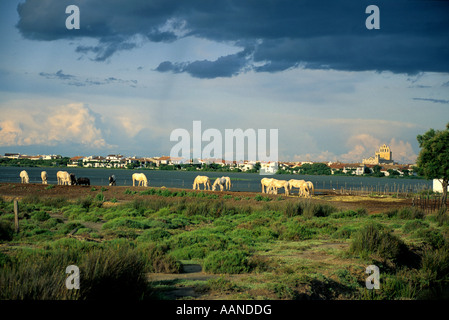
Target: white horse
310,187
63,178
219,182
24,177
201,180
228,182
140,178
301,185
276,184
266,182
44,177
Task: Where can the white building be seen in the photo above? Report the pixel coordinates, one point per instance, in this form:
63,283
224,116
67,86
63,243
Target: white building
268,168
438,186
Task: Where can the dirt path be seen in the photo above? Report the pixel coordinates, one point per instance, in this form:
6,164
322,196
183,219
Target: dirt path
177,290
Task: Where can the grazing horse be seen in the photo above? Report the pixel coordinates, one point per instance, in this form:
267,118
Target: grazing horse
310,187
140,178
301,185
44,177
72,179
219,182
83,181
276,184
112,181
266,182
63,178
24,177
228,182
201,180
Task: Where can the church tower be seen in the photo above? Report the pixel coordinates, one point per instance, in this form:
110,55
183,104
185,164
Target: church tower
384,153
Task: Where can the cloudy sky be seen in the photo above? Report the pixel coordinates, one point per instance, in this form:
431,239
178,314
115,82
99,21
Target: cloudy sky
137,70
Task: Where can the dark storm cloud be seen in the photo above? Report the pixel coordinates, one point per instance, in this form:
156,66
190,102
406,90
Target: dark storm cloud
275,35
432,100
73,80
226,66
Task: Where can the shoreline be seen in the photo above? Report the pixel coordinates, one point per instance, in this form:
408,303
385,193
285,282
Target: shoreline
67,168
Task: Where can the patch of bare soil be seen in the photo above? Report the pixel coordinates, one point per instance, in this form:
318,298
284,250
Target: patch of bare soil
192,272
10,191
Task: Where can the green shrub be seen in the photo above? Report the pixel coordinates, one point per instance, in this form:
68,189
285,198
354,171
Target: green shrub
36,276
414,225
113,273
157,259
283,291
431,237
344,232
435,265
155,234
375,239
99,197
311,209
442,217
391,213
52,223
308,209
128,191
197,244
261,198
40,216
410,213
6,230
349,214
292,209
69,227
4,259
231,262
121,222
85,203
295,231
405,213
221,285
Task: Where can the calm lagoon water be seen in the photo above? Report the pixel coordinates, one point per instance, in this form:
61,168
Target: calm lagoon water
240,181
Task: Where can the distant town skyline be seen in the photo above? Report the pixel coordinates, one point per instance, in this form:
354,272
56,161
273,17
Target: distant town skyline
384,156
135,71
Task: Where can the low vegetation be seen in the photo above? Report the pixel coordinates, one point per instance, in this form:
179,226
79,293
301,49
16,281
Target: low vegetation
253,248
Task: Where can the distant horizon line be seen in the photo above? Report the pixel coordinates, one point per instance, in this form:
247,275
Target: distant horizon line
9,154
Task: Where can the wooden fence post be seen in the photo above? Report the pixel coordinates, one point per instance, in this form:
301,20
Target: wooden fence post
16,215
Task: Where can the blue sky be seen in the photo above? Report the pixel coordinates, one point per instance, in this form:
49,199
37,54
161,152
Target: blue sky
136,70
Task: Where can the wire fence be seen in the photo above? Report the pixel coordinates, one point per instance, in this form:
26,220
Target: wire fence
399,190
421,195
429,203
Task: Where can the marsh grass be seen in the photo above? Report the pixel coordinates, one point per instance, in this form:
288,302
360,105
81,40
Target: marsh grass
376,239
274,242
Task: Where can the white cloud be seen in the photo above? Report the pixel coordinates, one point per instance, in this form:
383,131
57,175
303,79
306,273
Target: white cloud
402,151
49,126
362,146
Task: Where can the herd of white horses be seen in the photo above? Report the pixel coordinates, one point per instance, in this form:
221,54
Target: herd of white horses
269,185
